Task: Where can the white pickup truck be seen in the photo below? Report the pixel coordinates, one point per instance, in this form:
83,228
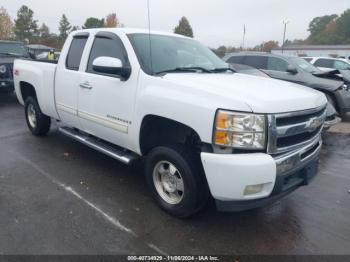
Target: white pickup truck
202,129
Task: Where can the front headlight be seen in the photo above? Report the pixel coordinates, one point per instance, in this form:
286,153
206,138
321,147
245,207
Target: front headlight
3,69
239,130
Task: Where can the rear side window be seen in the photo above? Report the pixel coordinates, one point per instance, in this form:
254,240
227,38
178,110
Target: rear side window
259,62
276,64
308,59
328,63
75,53
104,46
235,59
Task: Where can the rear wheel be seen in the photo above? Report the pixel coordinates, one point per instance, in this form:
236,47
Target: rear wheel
38,123
175,179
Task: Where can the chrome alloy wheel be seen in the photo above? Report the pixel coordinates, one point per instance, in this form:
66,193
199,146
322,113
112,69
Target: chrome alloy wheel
168,182
31,114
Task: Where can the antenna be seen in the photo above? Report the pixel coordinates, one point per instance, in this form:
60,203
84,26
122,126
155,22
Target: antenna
149,36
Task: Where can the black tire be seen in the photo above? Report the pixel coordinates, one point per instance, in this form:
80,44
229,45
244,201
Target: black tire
42,122
195,193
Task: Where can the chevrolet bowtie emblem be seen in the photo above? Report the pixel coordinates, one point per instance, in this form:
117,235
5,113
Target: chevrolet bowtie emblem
314,123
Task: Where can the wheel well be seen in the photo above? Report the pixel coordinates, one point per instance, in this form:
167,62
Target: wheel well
27,90
157,131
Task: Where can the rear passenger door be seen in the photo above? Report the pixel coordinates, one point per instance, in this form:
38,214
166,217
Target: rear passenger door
67,81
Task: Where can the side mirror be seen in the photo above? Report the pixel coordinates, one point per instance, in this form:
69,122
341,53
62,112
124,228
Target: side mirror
111,66
292,70
31,56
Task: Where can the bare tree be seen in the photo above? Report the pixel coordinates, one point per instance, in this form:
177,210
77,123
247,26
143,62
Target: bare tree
112,21
6,25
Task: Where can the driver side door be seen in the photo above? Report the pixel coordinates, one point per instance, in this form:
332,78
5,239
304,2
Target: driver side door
106,101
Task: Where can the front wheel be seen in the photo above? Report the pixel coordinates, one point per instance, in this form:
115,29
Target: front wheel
175,178
38,123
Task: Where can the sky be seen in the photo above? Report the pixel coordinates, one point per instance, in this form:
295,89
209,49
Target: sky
215,22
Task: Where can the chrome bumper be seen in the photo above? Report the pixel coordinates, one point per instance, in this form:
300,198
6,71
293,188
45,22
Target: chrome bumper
299,158
329,124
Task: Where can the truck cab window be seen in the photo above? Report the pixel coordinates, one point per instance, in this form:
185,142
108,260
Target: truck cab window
107,47
75,53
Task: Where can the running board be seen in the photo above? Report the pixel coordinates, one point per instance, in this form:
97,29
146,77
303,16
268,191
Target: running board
117,153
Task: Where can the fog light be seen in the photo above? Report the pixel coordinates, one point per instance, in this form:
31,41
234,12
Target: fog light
253,189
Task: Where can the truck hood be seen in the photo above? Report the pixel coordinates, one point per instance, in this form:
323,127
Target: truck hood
262,95
7,59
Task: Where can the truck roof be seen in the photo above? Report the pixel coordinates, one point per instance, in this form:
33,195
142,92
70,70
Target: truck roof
8,41
127,30
252,53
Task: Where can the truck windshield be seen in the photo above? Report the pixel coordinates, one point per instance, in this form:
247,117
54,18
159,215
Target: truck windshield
304,65
15,49
174,54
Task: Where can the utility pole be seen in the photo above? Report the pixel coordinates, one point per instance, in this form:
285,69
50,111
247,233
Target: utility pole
285,22
243,42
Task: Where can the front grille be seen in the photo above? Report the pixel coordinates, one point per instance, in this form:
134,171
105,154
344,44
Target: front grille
292,119
290,131
296,139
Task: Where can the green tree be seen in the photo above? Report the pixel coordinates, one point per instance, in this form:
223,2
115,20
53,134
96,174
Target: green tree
26,27
94,22
64,27
322,30
343,26
220,51
75,28
319,24
44,31
184,28
6,24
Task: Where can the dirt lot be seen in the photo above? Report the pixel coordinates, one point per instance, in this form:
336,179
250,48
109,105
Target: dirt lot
60,197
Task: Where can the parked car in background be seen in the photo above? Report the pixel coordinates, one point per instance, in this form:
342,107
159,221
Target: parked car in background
329,63
331,119
44,56
202,129
9,51
297,70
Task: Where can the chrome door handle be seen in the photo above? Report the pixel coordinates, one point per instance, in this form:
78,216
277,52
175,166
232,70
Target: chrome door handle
86,85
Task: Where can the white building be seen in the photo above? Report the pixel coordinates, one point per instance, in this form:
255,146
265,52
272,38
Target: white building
315,50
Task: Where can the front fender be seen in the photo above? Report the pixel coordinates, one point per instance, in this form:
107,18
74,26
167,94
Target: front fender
182,104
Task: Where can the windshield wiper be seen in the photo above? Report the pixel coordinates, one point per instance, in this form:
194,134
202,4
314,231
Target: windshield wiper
223,69
184,69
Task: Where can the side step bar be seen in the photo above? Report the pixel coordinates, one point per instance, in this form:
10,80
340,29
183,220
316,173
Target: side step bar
117,153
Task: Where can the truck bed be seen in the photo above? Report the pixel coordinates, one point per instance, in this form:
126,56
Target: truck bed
41,74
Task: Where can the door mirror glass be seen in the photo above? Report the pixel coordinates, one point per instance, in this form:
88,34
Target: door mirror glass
110,66
292,69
